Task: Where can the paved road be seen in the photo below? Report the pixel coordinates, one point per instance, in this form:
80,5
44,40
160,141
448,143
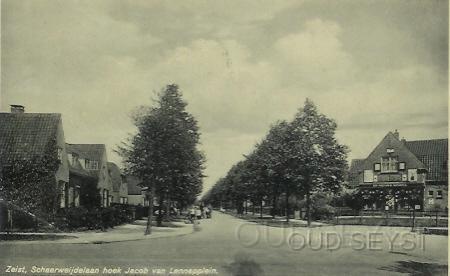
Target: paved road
231,246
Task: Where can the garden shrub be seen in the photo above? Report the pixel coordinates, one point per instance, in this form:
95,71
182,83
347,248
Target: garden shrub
96,218
22,220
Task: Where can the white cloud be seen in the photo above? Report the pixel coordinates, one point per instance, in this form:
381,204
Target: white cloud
220,83
315,55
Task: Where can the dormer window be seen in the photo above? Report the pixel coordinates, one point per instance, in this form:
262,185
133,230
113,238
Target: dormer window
390,150
401,166
91,164
389,164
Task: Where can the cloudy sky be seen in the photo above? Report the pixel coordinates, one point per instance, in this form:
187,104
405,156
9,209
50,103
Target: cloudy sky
373,66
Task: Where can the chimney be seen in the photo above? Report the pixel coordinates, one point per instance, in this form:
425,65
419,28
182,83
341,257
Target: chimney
15,108
403,140
396,134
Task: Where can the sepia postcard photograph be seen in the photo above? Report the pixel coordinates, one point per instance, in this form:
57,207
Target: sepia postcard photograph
224,137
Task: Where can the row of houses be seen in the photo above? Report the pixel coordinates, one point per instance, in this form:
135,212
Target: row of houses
403,175
24,135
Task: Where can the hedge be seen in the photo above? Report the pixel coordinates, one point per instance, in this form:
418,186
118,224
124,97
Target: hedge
97,218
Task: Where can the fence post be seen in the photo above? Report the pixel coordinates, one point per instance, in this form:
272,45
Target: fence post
413,219
437,218
11,224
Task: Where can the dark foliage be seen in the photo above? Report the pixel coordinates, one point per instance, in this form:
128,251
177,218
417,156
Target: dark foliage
30,184
97,218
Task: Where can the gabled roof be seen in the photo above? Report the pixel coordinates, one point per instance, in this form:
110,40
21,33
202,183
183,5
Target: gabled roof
428,147
115,176
391,141
87,151
23,135
133,183
434,155
431,155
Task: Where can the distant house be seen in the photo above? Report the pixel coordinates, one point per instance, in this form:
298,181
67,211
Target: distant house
83,179
27,135
398,174
120,188
92,159
136,194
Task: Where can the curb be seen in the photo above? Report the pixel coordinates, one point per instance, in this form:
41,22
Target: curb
73,239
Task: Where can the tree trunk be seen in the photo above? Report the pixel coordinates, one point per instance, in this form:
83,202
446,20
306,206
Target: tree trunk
287,205
261,209
160,215
274,206
167,214
149,195
308,206
246,206
253,208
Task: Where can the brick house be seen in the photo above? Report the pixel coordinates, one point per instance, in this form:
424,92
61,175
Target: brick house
82,178
91,158
402,175
27,135
120,188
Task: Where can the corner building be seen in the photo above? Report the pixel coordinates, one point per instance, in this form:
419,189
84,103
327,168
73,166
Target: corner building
402,175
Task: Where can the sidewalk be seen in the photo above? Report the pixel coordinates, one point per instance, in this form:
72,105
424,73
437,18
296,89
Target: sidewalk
278,221
125,232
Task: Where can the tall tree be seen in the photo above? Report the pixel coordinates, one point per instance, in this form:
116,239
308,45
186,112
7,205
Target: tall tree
317,162
164,152
276,149
257,178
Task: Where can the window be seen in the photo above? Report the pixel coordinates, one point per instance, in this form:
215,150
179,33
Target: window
430,193
390,150
389,164
404,177
62,195
74,158
66,195
401,165
368,176
91,164
412,175
60,151
105,198
377,167
439,194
